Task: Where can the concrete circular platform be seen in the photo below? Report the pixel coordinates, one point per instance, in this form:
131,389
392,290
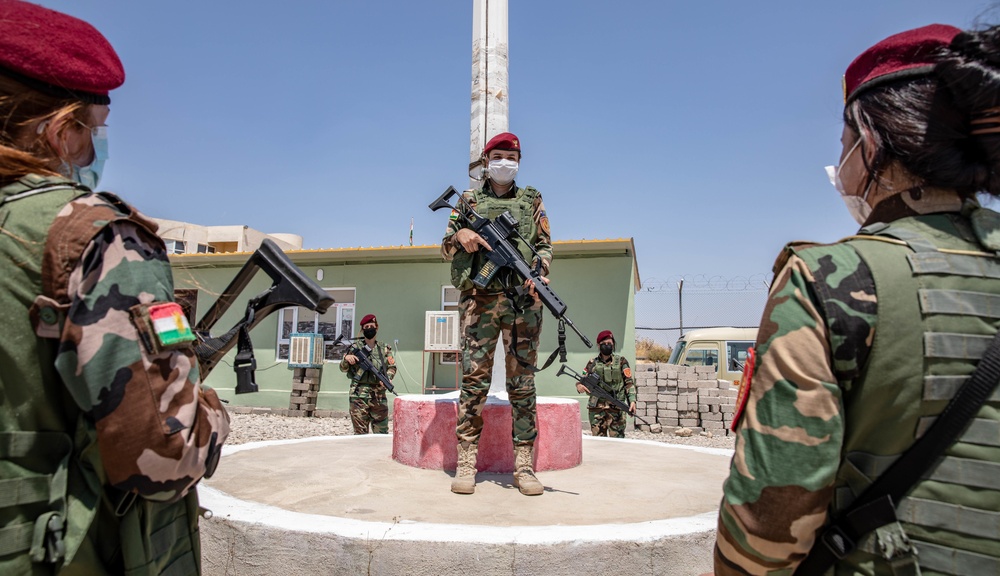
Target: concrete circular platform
341,505
423,433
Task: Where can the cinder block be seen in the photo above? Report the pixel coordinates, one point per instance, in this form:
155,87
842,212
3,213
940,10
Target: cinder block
716,417
689,422
645,397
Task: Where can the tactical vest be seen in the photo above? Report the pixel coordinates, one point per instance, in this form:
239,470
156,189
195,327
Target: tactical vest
367,377
55,512
521,206
612,380
937,279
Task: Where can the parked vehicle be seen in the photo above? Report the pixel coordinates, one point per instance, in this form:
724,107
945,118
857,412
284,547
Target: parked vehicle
724,348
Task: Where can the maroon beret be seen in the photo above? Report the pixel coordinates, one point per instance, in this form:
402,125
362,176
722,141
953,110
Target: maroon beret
904,55
604,335
57,54
369,319
503,141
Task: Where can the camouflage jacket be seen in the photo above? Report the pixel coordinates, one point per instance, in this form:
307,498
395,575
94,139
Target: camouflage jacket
363,383
624,387
86,270
542,240
815,337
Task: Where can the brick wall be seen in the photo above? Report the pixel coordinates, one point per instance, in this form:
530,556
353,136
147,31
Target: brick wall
683,396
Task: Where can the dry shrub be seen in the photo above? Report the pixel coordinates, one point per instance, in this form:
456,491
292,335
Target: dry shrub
648,349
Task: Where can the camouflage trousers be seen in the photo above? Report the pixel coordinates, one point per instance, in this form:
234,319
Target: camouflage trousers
485,319
608,422
369,408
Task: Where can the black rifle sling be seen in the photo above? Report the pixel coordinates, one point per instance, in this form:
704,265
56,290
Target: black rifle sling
875,507
560,350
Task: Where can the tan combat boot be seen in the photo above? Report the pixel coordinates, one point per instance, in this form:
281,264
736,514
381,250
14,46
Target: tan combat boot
465,474
524,473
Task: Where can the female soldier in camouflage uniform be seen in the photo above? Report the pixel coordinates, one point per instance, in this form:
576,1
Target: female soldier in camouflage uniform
616,378
491,313
368,404
863,342
104,426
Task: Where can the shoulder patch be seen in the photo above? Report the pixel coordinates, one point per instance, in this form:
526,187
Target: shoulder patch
627,372
161,326
744,393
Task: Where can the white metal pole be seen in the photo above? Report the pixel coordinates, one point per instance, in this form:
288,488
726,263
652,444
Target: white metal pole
490,97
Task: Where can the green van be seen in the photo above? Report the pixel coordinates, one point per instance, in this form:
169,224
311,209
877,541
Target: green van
725,348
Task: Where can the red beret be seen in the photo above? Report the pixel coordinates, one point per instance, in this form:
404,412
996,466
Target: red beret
604,335
369,319
503,141
904,55
57,54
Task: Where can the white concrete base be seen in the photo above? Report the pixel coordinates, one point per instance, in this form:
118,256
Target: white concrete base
642,507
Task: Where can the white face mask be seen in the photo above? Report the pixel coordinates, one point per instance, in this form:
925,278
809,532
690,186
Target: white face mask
502,171
856,205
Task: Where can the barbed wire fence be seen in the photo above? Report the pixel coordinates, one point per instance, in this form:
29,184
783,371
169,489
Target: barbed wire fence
667,308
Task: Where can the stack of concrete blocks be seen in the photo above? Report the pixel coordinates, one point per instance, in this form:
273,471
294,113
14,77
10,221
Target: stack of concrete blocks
305,391
684,397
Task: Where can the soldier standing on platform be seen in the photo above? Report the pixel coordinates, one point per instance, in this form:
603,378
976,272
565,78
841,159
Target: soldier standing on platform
369,408
495,311
616,379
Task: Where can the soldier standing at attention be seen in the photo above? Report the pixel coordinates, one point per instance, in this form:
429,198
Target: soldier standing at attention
104,426
616,379
368,404
496,311
864,342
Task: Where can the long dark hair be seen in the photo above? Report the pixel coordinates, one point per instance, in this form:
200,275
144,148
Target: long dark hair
926,124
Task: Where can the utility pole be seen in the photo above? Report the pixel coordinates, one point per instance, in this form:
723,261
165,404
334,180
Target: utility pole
490,98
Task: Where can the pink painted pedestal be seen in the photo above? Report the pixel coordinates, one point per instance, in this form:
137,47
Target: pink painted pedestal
423,433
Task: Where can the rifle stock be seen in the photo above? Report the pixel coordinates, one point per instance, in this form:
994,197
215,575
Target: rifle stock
289,287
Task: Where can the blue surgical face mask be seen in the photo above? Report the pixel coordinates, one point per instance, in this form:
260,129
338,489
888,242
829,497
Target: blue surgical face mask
90,174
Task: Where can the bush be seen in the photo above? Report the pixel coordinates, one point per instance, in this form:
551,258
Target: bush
648,349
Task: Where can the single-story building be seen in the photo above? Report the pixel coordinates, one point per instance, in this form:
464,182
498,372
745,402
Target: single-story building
597,279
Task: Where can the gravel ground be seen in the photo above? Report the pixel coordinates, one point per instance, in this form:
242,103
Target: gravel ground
258,427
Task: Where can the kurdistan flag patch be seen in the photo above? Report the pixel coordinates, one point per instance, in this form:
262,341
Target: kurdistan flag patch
170,324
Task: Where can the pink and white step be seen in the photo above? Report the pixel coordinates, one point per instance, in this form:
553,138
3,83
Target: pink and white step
423,433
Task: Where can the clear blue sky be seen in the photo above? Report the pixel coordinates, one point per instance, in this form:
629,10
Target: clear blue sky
700,129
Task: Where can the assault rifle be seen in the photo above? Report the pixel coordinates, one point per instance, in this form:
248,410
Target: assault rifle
364,355
593,385
498,233
289,287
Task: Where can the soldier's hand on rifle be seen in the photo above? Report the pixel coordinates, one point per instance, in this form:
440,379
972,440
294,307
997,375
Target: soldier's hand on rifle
351,359
581,388
470,241
531,285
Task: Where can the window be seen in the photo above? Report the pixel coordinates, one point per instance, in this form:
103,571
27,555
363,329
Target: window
449,301
736,352
702,357
337,322
206,249
174,246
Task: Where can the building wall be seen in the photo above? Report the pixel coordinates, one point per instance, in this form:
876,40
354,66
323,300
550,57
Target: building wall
598,289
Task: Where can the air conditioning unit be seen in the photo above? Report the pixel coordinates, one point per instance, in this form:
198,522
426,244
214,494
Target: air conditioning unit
441,331
305,350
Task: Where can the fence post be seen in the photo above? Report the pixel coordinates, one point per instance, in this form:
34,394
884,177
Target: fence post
680,306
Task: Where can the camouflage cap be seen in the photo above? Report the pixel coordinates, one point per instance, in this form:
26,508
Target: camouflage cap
56,53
